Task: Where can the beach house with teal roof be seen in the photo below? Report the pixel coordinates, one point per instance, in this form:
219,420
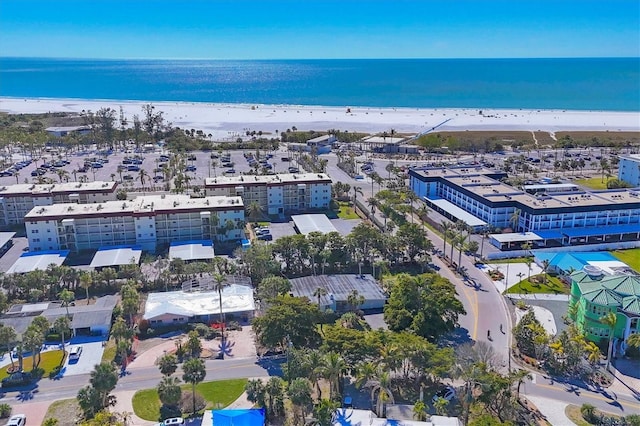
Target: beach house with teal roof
596,294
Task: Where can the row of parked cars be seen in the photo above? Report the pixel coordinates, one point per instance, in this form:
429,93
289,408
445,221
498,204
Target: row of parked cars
10,171
263,233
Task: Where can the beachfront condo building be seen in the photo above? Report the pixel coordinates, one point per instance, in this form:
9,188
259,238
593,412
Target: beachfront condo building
18,200
478,197
148,221
595,294
629,169
276,194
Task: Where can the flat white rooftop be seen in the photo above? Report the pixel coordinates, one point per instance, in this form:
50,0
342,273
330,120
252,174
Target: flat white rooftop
279,179
171,203
192,250
116,255
235,298
307,223
57,188
514,237
33,261
457,212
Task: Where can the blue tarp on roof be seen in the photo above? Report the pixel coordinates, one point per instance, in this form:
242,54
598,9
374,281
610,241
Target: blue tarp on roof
250,417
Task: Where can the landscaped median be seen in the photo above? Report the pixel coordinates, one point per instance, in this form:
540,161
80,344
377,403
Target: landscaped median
539,284
217,394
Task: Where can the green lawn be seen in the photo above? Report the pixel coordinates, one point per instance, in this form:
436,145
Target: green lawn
511,260
221,393
109,353
553,285
593,183
346,211
49,361
631,257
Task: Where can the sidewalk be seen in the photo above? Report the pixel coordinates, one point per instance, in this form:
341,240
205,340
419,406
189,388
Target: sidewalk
552,409
125,405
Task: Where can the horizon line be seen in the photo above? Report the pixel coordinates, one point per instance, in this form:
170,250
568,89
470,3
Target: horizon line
309,59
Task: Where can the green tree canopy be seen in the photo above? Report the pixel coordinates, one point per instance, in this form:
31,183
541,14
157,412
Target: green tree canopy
426,304
291,319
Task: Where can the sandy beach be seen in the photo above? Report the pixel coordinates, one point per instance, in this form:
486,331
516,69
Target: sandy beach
226,120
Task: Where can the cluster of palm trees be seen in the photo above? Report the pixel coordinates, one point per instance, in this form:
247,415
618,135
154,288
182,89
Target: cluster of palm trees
458,234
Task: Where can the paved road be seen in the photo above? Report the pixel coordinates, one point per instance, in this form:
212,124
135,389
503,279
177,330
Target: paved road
135,379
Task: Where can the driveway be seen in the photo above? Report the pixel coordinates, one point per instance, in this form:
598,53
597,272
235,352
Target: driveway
92,350
345,226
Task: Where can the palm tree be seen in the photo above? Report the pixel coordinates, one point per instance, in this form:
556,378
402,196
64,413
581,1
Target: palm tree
610,321
62,325
256,392
545,269
315,364
529,262
169,391
86,280
420,411
220,284
319,292
143,175
300,395
381,384
356,190
67,297
461,242
333,370
167,364
194,372
515,220
8,337
446,226
634,340
254,211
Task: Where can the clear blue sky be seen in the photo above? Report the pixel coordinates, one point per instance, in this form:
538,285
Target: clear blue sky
265,29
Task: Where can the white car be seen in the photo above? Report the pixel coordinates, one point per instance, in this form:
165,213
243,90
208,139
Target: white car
172,421
17,420
447,393
75,352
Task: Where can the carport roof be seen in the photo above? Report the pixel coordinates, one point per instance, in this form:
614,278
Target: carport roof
33,261
457,212
116,255
340,286
308,223
89,319
515,237
191,250
5,237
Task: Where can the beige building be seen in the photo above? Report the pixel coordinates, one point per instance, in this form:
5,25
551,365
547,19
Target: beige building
149,221
18,200
276,194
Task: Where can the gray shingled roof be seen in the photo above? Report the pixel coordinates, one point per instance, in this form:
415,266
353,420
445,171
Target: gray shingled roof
340,286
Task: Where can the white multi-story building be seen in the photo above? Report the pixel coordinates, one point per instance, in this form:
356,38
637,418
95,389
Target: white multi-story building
18,200
629,169
149,221
276,194
570,217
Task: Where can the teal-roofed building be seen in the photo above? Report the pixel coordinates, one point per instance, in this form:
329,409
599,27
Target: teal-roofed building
596,294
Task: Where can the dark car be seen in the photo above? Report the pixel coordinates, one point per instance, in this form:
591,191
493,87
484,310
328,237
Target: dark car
265,237
19,378
190,168
38,172
127,161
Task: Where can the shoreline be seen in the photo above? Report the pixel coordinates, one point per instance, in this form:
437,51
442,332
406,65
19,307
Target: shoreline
229,119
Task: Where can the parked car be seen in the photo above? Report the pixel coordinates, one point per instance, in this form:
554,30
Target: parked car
17,420
265,237
293,170
191,157
136,161
97,165
447,393
38,172
229,171
127,177
285,159
75,352
157,178
262,231
5,173
163,159
190,168
173,421
127,161
133,168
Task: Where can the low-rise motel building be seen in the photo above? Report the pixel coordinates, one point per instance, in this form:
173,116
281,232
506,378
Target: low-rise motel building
276,194
147,221
595,294
18,200
558,218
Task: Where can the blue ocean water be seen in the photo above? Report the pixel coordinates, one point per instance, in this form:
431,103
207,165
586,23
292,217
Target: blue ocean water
580,84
